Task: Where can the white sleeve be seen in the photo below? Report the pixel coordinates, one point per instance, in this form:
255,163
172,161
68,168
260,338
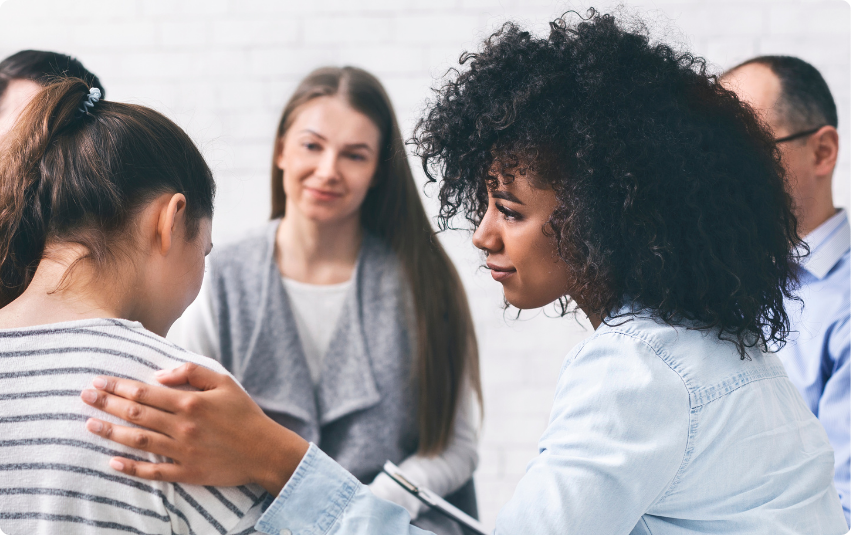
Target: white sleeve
197,329
444,473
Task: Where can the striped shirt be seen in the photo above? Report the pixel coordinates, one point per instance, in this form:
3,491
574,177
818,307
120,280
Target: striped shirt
55,476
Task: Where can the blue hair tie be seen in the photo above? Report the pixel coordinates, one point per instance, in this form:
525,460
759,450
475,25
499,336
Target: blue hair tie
94,96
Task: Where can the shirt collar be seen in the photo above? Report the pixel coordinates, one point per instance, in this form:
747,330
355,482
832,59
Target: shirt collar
828,243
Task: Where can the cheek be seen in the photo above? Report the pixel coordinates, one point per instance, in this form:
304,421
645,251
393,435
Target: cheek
542,274
293,170
290,186
358,178
361,182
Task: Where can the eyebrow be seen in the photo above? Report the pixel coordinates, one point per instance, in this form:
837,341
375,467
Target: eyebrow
504,195
348,146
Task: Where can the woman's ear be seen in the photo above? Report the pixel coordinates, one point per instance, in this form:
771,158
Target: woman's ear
172,221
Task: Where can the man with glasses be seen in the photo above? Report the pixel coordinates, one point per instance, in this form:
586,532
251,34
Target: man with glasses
793,99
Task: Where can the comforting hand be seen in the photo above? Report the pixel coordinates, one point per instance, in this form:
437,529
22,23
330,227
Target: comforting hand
216,436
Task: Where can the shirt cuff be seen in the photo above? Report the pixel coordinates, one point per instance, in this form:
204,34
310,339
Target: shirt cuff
312,500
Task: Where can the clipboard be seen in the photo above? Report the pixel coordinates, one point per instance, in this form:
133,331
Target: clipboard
433,500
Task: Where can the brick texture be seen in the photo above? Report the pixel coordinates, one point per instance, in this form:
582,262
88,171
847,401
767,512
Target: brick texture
224,68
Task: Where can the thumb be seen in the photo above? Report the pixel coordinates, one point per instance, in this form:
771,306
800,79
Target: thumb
190,373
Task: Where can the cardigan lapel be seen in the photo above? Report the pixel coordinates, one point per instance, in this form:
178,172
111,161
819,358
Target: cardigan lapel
274,369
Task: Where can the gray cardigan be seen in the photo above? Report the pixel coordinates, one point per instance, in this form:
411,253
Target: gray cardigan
363,411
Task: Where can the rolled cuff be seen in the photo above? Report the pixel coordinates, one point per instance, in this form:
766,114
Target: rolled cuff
313,499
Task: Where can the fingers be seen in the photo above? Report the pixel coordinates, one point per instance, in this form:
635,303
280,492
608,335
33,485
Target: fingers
198,376
134,437
174,377
153,396
131,411
156,471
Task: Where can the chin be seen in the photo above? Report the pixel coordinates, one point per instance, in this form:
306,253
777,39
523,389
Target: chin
323,214
526,301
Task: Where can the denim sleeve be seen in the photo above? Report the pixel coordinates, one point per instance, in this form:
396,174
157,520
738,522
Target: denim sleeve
322,498
833,411
616,440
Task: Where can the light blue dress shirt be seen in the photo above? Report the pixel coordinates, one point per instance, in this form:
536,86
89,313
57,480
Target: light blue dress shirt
817,355
654,429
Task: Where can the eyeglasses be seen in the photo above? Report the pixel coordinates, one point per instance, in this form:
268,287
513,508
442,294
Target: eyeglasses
799,135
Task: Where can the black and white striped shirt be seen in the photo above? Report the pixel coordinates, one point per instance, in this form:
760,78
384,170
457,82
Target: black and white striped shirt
55,476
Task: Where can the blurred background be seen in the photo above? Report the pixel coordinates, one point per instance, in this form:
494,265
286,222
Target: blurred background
223,70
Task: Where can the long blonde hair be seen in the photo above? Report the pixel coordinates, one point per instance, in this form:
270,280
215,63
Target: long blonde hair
447,352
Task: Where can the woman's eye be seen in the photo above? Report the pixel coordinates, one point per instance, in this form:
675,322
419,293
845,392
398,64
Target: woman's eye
312,146
356,157
509,215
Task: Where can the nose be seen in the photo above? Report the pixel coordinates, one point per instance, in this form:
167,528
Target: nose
327,168
487,236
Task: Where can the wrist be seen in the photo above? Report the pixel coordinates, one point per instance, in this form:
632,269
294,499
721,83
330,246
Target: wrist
279,458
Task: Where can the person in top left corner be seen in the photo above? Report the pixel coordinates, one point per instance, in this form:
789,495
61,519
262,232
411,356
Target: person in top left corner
25,73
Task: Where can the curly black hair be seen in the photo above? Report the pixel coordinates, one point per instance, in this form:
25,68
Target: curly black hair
671,193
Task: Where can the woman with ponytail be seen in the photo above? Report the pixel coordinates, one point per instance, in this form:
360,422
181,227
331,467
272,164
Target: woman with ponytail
105,223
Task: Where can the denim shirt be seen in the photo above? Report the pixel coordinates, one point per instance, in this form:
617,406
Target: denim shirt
654,429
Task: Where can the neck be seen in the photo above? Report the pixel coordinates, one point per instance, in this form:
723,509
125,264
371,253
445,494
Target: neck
595,320
814,204
318,252
57,295
810,217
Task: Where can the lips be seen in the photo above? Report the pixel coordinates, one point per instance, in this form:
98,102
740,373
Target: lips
500,274
323,195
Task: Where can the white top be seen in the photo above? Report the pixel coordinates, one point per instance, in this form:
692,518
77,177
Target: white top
317,308
55,475
314,306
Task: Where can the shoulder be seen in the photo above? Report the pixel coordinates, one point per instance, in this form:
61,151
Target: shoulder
628,355
377,251
248,250
823,312
379,266
154,349
709,366
617,395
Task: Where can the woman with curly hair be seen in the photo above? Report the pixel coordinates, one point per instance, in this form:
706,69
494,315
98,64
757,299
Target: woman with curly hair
602,170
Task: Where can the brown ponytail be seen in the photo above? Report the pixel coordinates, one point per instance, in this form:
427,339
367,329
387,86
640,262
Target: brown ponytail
79,177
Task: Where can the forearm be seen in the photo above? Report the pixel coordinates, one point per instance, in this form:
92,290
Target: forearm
277,458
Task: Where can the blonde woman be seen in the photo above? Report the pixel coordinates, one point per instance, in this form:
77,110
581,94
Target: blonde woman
343,317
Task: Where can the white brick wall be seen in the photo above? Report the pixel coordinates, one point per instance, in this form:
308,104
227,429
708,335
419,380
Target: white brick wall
224,68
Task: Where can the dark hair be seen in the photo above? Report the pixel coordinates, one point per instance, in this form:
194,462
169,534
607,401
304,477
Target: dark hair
392,210
73,177
43,68
805,100
671,194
